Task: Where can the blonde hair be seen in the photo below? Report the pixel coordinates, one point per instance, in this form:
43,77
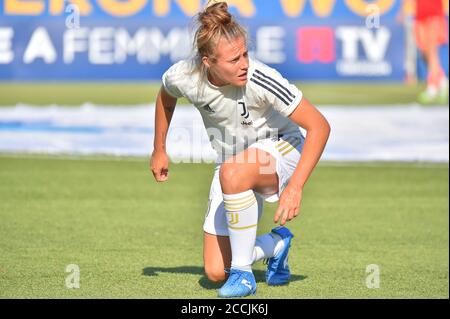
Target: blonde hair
214,22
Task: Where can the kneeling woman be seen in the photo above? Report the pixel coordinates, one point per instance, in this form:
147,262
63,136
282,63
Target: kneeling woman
254,117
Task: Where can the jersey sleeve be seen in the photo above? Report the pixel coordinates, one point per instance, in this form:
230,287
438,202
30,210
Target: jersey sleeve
173,80
276,90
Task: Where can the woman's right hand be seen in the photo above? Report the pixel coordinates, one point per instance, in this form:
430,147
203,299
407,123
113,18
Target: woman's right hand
159,164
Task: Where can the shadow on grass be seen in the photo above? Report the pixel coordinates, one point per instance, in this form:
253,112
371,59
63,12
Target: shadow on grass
260,275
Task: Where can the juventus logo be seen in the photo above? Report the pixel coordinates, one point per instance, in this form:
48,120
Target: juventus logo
245,114
234,218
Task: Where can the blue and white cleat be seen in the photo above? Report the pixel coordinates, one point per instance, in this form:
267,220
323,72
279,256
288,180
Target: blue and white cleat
239,284
278,272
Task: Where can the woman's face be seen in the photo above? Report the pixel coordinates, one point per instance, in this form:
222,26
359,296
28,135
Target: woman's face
230,64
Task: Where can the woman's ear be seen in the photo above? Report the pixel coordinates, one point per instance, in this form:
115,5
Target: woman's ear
206,61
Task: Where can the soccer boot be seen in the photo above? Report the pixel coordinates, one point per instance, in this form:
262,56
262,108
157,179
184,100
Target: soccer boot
239,284
278,272
425,98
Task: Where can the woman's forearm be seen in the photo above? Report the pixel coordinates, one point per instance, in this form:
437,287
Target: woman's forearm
315,142
318,130
165,106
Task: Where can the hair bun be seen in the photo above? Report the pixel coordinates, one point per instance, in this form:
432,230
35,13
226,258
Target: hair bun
215,23
216,14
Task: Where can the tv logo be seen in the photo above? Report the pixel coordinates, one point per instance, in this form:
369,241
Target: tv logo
374,44
362,50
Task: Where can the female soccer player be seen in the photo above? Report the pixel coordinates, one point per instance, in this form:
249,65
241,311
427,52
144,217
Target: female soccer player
431,32
252,115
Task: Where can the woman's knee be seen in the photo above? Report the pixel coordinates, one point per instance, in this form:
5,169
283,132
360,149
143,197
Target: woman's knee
234,178
215,274
227,172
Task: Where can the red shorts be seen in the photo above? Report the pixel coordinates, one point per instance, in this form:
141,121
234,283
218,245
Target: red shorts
429,8
431,32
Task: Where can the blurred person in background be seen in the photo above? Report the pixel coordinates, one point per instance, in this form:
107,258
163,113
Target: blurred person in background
431,31
406,19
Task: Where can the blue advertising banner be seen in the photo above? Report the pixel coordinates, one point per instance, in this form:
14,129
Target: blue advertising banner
140,39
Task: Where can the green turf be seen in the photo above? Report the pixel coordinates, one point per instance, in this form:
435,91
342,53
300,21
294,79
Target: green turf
132,237
138,93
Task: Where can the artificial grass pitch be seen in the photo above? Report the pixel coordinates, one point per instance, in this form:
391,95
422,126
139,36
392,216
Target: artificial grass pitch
133,238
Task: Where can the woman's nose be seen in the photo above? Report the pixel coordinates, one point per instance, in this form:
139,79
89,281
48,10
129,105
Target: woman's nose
244,64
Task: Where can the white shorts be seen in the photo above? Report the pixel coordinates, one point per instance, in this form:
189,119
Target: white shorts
286,150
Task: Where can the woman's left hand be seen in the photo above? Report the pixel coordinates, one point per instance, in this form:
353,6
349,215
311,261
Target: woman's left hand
289,204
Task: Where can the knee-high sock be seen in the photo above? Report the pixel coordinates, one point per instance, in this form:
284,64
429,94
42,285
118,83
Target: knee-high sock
242,219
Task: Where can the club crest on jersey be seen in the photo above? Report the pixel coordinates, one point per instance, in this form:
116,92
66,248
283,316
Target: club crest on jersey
245,114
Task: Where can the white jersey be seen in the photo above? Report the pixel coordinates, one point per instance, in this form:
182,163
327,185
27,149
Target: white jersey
236,117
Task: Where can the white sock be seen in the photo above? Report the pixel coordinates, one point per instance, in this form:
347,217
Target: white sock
443,84
266,246
242,219
432,90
